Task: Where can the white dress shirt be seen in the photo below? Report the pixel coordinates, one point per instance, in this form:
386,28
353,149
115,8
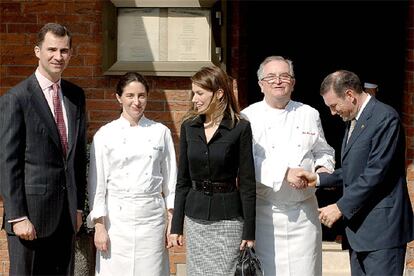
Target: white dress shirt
46,86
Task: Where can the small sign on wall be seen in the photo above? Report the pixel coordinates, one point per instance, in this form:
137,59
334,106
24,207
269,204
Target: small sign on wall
161,40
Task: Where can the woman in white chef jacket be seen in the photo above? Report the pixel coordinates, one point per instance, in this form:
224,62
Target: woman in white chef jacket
132,176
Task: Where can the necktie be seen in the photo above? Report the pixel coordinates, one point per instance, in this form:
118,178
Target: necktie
351,128
60,122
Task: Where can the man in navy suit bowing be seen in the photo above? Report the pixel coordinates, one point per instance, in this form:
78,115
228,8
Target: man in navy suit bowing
42,161
375,205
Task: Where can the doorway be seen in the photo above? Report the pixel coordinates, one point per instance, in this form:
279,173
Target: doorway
366,37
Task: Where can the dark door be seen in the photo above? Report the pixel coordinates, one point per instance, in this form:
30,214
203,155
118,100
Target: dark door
368,38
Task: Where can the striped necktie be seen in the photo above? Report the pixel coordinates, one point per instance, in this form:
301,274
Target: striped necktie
60,122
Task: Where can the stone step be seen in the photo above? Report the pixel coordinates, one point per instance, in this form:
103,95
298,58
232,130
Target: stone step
181,270
335,261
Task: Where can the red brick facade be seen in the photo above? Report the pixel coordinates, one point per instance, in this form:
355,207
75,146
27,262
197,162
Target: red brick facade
408,116
170,97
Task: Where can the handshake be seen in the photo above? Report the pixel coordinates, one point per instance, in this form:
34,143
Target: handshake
299,178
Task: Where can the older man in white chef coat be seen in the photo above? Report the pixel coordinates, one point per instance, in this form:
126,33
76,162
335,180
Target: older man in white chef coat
288,138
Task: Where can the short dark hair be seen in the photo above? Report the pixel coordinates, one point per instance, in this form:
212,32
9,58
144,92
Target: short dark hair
339,82
54,28
128,78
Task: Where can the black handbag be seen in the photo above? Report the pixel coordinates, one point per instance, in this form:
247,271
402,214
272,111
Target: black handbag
248,263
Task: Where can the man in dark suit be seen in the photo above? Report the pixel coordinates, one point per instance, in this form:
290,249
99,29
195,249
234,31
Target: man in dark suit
42,161
375,205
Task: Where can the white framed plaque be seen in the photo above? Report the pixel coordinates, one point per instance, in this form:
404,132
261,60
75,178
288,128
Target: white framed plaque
138,34
162,38
189,34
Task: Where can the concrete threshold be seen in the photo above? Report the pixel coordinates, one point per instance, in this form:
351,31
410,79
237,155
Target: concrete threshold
335,261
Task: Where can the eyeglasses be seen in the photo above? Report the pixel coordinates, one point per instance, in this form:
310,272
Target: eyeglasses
284,77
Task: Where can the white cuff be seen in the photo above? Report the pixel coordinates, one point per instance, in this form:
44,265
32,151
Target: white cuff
17,219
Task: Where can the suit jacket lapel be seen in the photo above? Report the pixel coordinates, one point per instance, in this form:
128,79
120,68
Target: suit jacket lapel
71,110
41,106
344,140
360,126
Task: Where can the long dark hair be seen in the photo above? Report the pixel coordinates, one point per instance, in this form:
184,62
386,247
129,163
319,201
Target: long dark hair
213,78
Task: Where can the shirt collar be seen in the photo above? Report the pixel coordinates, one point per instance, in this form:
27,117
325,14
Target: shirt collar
199,121
124,123
267,107
363,106
43,81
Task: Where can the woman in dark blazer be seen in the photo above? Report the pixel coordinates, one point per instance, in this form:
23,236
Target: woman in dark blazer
215,192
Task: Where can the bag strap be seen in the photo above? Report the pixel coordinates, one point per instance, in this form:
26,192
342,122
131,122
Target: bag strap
243,253
253,255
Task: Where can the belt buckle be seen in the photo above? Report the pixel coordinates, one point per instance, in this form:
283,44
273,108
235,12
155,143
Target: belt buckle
207,187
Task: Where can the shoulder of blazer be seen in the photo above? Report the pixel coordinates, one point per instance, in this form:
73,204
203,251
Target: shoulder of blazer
193,122
243,123
24,87
379,109
387,109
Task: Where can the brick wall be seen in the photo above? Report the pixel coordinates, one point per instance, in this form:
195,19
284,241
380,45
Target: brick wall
408,101
408,118
19,23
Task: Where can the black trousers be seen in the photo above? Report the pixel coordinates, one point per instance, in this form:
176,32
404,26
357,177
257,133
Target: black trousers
386,262
52,255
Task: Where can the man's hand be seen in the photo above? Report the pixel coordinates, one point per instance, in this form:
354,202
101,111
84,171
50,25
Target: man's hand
25,230
310,178
79,221
293,176
328,215
298,178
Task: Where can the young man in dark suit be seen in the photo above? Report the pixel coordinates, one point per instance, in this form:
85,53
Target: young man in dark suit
42,161
375,205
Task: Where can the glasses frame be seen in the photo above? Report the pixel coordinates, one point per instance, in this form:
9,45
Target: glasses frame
271,79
